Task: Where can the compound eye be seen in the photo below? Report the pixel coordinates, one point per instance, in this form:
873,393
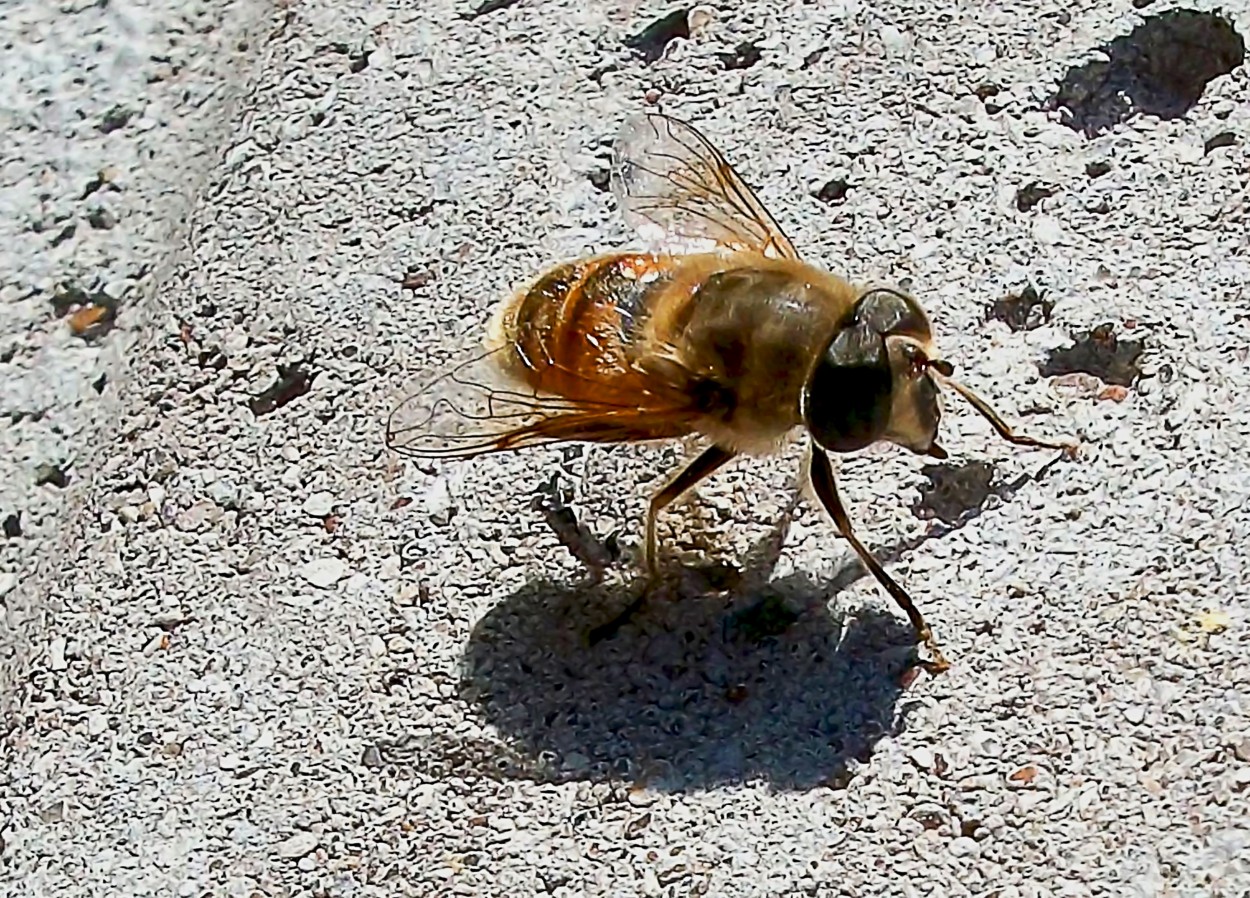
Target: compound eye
848,398
893,312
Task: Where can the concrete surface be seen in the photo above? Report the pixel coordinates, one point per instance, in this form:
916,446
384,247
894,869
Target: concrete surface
253,653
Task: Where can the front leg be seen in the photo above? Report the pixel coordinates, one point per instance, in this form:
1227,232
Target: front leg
826,489
1000,426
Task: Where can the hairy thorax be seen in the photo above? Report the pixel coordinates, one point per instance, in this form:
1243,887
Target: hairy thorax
748,333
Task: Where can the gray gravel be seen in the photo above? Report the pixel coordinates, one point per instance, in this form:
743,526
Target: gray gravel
259,655
113,114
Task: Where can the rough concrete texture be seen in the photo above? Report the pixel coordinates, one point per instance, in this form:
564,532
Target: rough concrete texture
271,658
112,114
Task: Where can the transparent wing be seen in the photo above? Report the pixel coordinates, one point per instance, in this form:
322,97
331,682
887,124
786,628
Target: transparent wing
681,195
472,410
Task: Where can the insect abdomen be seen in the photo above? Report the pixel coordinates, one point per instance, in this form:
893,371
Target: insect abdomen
572,331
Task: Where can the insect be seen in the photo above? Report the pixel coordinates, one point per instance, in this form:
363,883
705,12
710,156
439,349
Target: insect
718,329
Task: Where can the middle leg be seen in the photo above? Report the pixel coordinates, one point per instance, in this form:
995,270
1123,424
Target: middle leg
711,460
707,463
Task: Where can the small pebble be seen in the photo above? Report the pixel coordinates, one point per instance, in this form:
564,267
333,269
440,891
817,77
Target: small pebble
318,505
324,572
97,723
397,645
371,757
1047,231
965,847
298,845
438,502
56,653
224,493
641,798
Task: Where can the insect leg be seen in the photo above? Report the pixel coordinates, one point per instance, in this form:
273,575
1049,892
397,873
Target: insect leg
999,424
706,464
826,489
712,458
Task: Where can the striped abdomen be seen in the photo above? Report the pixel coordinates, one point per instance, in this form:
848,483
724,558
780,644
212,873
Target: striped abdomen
575,331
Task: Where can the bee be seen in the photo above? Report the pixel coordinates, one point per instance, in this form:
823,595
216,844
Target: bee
717,329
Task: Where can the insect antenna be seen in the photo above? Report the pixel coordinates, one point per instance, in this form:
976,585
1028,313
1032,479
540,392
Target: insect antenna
942,370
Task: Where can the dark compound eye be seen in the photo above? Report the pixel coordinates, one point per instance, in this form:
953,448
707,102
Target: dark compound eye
891,312
847,400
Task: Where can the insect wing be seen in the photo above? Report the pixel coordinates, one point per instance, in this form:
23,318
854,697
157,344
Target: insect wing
472,410
680,194
465,411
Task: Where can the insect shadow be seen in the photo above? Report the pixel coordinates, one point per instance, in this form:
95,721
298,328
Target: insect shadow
765,684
